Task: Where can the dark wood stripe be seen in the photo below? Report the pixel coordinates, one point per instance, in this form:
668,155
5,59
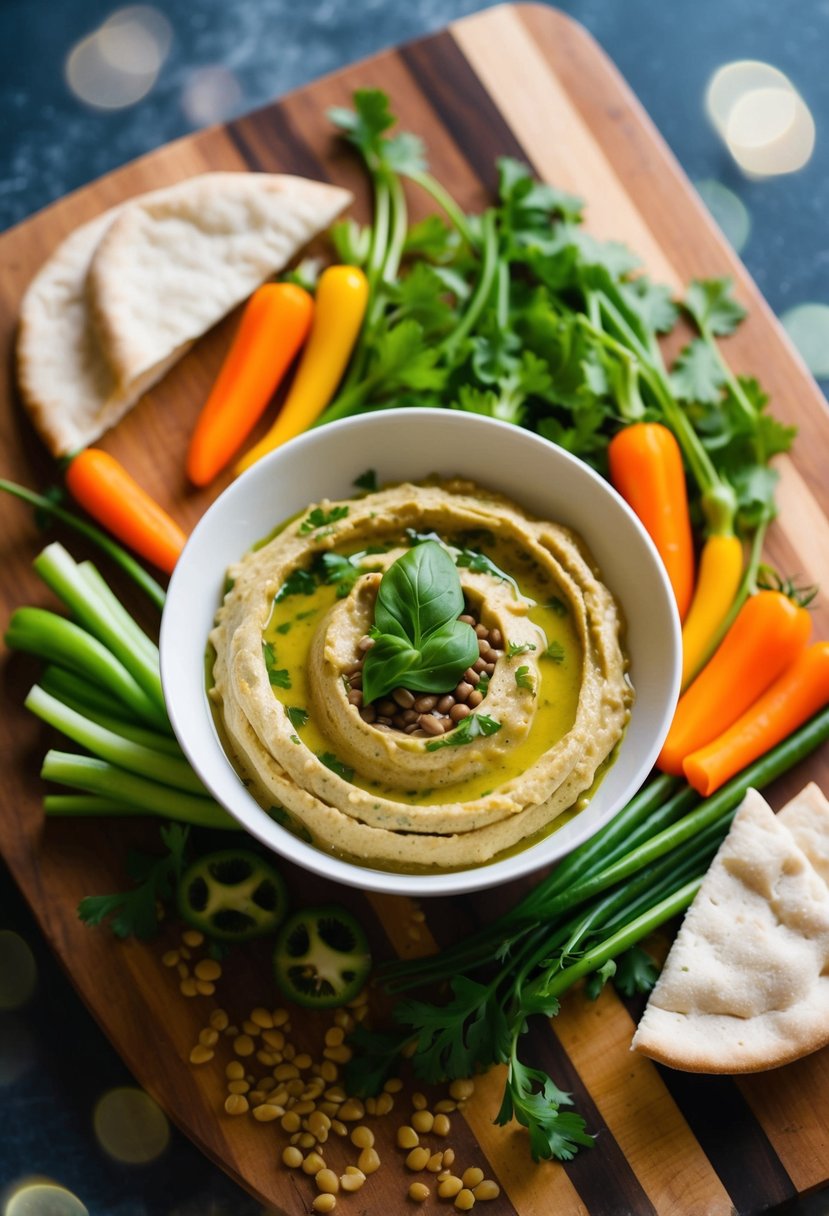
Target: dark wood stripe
603,1177
269,143
731,1137
732,1140
465,108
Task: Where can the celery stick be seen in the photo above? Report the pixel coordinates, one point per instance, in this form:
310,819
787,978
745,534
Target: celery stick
62,574
145,796
79,695
53,638
135,757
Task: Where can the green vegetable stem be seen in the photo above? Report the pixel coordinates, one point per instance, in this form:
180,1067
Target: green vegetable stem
584,921
101,689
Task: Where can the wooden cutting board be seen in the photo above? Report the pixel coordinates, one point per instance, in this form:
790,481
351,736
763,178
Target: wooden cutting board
528,82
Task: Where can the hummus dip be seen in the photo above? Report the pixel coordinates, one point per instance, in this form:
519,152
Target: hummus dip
290,627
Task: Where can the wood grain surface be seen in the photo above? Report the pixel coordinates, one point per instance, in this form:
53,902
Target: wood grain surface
528,82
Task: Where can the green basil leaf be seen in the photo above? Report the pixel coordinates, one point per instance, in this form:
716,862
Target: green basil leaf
418,594
385,666
445,654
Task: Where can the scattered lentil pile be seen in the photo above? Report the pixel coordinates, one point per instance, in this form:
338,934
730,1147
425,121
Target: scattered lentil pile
427,715
270,1079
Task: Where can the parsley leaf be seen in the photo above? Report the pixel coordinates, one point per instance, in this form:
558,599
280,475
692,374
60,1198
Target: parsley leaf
473,727
554,651
516,648
340,570
296,716
636,972
336,766
135,912
278,677
697,374
298,582
524,680
320,518
713,307
535,1101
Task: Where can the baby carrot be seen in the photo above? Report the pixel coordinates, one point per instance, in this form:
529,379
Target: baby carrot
342,295
646,468
767,635
105,489
718,580
792,699
274,325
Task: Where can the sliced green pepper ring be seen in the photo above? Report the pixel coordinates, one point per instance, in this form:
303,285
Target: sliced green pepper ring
322,958
232,895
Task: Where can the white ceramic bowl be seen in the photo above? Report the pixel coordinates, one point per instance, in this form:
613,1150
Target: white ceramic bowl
409,445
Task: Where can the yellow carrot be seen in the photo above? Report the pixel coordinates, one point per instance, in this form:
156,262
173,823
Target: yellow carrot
340,305
718,578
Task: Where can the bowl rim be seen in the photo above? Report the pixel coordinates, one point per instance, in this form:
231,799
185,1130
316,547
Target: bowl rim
220,777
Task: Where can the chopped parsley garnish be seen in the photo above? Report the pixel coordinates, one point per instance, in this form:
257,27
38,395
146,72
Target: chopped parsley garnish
298,582
278,677
319,518
479,563
285,627
523,679
473,727
341,571
366,481
483,684
296,716
136,911
516,648
336,766
555,651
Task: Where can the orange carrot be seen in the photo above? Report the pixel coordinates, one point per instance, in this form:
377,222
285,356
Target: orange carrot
767,635
793,698
105,489
339,308
273,327
646,468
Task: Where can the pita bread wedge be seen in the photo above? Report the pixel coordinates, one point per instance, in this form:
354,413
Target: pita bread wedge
745,986
198,250
66,379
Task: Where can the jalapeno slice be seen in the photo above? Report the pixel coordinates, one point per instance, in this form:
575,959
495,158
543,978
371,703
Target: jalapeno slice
232,895
322,957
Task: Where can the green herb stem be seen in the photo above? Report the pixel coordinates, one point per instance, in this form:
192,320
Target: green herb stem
624,938
113,550
483,288
444,200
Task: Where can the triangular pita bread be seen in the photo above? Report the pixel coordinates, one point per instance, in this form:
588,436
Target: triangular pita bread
200,249
67,378
745,986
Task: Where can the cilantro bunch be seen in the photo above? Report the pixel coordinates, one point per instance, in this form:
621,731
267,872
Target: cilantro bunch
521,315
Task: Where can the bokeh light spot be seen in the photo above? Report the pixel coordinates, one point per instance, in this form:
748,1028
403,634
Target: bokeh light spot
808,327
118,64
764,122
210,95
38,1197
130,1126
18,970
728,209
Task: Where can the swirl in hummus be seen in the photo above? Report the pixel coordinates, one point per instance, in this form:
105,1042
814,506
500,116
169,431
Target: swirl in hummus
284,639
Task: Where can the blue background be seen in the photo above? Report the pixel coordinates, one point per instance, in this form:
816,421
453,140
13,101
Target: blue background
52,143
